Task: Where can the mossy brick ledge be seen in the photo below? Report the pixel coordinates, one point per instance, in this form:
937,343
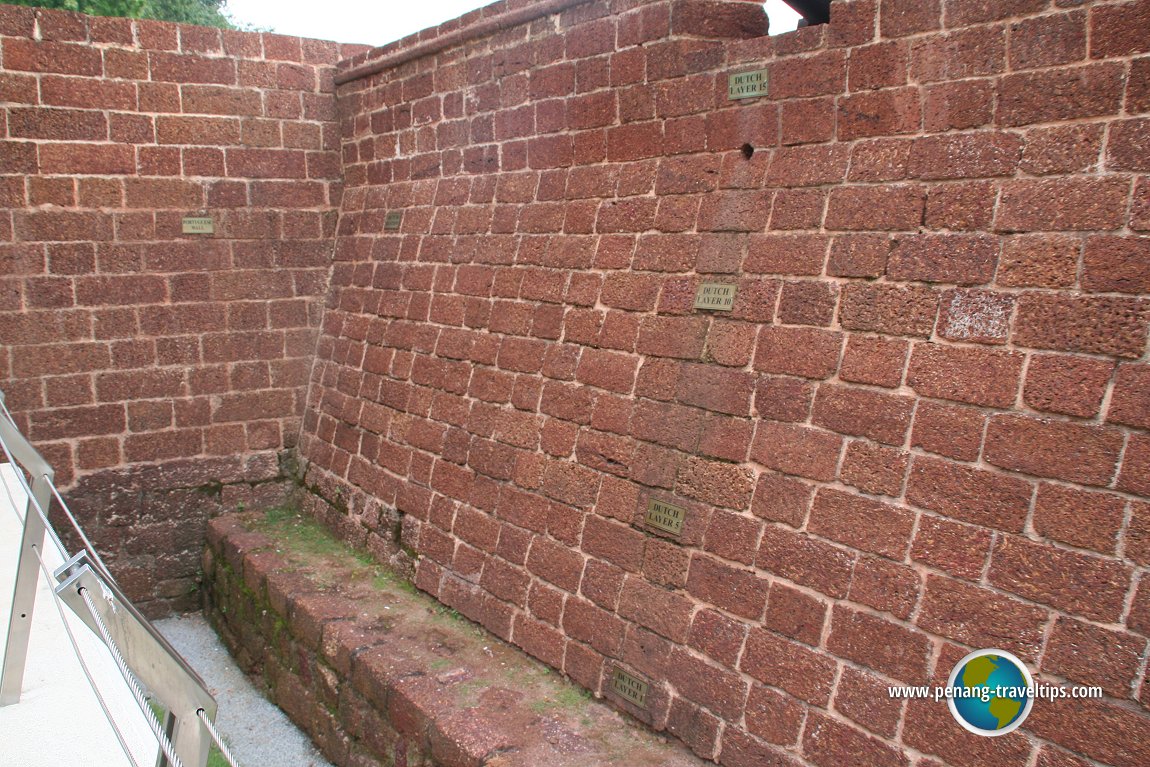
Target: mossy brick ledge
382,676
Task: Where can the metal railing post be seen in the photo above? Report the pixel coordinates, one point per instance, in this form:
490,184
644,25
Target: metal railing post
28,567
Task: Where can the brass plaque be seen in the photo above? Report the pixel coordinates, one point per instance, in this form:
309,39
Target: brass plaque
665,516
393,221
634,690
748,85
716,296
199,225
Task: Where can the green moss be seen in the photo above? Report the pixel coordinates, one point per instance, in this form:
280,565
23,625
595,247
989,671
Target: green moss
568,698
300,533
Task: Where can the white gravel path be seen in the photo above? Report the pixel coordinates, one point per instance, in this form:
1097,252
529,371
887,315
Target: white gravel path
257,732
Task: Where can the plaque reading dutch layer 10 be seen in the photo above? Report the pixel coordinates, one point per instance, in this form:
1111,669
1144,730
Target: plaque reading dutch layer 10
665,517
716,296
634,690
748,85
198,225
393,220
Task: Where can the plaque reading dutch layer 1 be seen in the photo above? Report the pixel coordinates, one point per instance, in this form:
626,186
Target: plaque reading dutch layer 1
634,690
748,85
716,296
665,517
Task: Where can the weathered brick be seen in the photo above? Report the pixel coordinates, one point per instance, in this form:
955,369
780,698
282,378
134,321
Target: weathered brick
1059,94
1091,655
1078,517
781,499
980,618
862,523
829,742
805,352
1048,41
795,614
954,259
1080,584
899,18
873,468
1135,474
1039,261
876,208
797,450
664,612
1095,325
1067,384
1063,204
964,374
1075,452
972,495
862,412
889,309
1112,30
1059,723
804,673
738,591
806,560
1117,265
874,360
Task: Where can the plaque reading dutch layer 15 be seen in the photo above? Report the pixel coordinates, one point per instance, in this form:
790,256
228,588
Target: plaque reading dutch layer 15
665,517
634,690
748,85
716,296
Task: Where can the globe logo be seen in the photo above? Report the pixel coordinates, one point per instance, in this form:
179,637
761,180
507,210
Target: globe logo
991,692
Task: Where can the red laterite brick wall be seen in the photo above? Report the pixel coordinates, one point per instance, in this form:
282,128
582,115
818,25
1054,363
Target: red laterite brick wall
922,430
154,368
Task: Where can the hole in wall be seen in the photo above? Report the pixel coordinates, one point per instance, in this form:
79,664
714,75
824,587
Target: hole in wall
747,150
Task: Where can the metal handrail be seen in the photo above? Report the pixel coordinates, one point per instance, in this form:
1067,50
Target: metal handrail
143,656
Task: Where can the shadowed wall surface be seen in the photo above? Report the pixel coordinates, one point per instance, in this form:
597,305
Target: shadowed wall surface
161,372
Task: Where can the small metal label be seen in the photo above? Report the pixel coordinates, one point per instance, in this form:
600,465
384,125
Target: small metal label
748,85
393,221
199,225
716,296
634,690
665,517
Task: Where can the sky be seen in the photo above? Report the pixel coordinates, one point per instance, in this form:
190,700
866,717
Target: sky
377,23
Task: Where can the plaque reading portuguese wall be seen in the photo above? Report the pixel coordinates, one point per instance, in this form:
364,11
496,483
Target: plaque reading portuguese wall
716,296
634,690
198,225
393,220
665,516
748,85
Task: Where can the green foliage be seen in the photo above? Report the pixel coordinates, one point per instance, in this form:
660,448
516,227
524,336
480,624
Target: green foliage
207,13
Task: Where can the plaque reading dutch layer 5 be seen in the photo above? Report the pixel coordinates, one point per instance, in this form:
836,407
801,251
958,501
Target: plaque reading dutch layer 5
665,517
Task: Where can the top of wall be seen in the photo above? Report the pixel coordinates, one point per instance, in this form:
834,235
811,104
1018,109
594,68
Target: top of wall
726,19
57,32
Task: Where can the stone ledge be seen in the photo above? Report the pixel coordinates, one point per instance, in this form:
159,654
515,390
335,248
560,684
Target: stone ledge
378,674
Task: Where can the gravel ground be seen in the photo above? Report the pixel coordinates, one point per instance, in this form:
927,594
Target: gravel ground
257,732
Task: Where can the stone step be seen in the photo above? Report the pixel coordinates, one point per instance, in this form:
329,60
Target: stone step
380,674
